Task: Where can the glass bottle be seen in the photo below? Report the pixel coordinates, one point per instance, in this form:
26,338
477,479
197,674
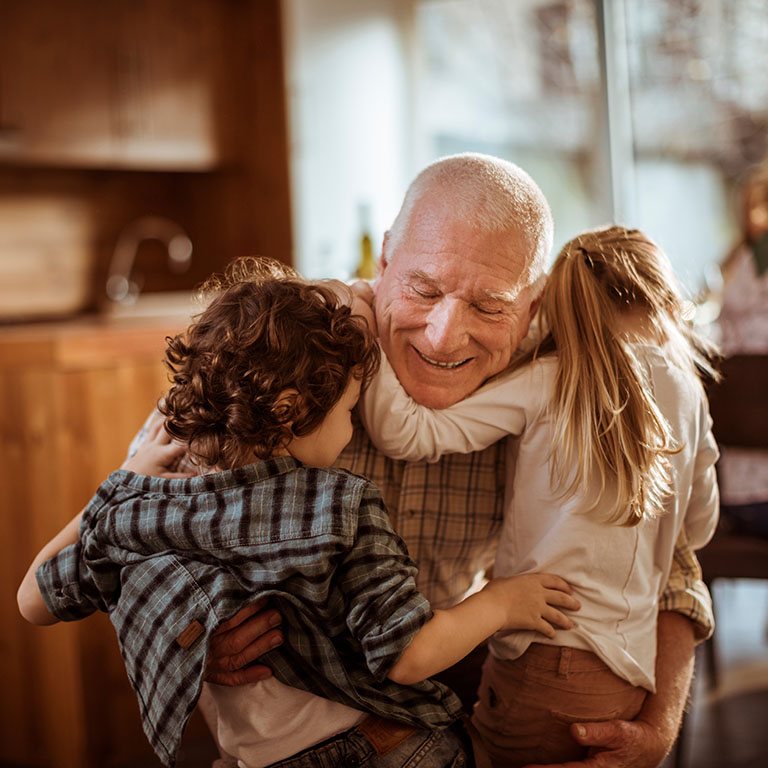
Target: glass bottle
366,267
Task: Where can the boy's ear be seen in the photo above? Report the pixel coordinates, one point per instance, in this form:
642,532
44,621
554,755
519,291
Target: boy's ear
285,405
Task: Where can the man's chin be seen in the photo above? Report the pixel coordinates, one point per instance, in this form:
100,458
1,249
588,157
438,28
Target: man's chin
437,395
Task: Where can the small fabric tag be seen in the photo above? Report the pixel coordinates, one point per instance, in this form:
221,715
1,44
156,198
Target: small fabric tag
384,735
187,638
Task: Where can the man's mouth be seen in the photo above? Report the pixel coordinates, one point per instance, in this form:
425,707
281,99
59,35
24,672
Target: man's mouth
438,363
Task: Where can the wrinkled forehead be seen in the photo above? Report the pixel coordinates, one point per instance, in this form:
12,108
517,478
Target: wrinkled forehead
454,223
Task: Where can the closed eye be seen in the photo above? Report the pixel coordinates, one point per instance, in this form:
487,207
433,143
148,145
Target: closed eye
426,293
489,311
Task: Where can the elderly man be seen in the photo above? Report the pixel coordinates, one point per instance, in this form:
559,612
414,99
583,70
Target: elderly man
459,276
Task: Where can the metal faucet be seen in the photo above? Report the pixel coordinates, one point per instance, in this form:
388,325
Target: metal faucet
120,287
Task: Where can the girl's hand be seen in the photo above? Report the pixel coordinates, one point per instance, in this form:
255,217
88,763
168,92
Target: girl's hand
157,454
529,601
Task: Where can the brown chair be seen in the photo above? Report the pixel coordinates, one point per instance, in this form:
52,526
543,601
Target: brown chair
739,407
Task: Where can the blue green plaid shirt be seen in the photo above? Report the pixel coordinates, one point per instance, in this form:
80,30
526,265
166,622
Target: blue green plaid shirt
170,560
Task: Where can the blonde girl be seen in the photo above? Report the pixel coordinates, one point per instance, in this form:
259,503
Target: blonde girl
615,457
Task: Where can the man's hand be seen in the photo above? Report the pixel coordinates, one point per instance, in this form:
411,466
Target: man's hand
645,741
246,636
617,744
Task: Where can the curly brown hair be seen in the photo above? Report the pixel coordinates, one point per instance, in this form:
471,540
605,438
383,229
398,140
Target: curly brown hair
265,331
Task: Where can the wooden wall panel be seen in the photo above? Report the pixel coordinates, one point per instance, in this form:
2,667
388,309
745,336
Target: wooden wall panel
42,703
69,416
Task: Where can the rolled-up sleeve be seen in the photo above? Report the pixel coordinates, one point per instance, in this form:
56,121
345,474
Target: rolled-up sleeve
67,586
686,593
378,578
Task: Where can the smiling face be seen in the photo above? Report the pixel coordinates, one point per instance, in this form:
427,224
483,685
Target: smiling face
449,306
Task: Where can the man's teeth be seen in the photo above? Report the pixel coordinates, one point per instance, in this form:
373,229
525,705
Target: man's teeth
439,364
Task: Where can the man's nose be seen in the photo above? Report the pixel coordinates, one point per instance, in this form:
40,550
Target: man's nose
447,327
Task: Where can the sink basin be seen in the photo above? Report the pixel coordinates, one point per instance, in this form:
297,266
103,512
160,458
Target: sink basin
182,304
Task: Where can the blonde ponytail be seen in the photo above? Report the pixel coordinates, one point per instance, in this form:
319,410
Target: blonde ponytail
610,439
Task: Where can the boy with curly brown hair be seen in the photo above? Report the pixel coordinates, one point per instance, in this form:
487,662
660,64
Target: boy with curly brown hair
264,384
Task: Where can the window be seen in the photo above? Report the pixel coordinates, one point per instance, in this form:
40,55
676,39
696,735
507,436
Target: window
647,112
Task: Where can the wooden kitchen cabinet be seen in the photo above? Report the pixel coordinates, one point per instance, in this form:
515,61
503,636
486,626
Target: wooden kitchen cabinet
73,395
55,82
102,103
168,83
115,84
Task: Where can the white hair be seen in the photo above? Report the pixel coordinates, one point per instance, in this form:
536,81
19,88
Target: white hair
493,196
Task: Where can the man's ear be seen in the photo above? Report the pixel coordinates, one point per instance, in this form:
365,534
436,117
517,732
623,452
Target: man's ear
536,303
384,259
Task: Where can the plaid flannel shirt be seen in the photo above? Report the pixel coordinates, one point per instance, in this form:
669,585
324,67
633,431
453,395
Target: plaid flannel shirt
170,560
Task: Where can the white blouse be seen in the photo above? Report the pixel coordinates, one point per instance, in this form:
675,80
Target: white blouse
617,573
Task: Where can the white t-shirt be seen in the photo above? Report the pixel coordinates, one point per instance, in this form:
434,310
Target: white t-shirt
617,573
262,723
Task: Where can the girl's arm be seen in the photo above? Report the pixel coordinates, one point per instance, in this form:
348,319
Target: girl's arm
403,429
31,604
401,636
519,602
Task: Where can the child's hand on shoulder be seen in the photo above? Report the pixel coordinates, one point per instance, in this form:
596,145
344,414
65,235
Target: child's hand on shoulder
157,454
532,600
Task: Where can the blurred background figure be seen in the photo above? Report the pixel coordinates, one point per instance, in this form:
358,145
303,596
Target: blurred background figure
743,327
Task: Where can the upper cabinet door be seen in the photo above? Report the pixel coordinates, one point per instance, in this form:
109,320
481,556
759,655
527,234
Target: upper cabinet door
55,82
119,83
167,76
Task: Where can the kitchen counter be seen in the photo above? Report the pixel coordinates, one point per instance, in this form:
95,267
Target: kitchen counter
87,340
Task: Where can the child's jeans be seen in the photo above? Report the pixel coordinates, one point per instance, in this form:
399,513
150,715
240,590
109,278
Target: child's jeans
447,748
526,705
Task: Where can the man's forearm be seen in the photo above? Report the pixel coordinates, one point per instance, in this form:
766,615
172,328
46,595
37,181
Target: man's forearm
685,592
674,670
